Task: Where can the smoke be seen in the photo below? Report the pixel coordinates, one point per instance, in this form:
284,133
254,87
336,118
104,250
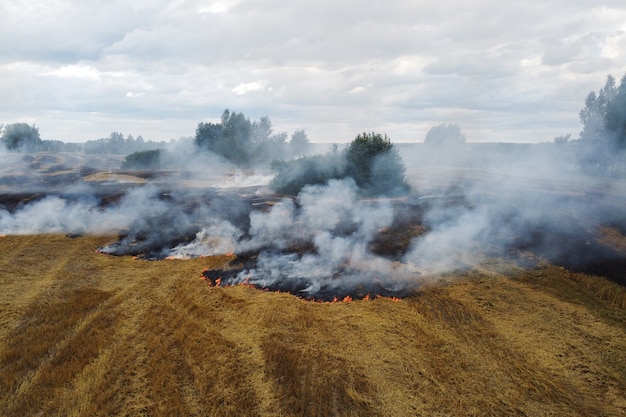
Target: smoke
455,239
81,213
329,218
318,246
526,203
516,202
216,238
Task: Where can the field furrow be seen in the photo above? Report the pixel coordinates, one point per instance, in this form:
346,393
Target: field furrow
85,334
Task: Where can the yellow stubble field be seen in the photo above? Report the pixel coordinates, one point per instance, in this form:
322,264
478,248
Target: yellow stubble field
86,334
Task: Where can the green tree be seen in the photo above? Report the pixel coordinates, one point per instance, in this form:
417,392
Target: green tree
21,137
236,130
208,136
231,138
361,153
241,141
151,159
375,165
370,160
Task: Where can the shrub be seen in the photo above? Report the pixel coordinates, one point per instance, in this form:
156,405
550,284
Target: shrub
151,159
370,160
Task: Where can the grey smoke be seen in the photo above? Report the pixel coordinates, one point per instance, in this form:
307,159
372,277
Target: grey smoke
338,226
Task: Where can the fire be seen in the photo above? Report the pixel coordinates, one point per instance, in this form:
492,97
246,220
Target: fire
243,277
246,283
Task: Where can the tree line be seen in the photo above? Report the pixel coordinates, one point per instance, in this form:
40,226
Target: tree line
253,143
245,142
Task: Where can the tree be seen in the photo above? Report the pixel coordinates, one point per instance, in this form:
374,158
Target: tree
370,160
361,153
291,176
616,115
299,144
604,127
594,115
236,130
444,135
562,139
261,130
21,137
151,159
374,164
241,141
231,138
208,136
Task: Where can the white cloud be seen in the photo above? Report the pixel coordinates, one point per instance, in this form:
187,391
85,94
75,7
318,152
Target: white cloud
215,8
75,71
132,94
614,45
357,90
245,88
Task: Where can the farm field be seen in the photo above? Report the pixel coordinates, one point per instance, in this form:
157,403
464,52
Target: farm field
84,333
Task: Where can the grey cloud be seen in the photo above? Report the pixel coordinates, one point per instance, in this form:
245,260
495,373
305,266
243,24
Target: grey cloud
185,63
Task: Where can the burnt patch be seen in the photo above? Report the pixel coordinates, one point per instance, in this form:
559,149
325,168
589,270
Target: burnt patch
347,283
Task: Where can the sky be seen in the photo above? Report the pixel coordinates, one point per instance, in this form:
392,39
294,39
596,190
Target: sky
515,71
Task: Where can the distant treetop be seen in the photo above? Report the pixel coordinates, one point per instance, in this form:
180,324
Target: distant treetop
604,115
445,134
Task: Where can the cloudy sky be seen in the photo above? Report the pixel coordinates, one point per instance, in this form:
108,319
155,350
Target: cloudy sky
503,70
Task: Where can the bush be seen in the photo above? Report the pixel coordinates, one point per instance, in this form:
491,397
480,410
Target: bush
144,160
292,176
21,137
370,160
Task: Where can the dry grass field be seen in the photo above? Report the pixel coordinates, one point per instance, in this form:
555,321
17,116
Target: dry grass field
86,334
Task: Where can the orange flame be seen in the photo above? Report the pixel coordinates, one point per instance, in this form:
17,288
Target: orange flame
246,283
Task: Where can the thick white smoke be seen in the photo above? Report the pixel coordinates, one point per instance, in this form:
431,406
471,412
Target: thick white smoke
82,214
339,229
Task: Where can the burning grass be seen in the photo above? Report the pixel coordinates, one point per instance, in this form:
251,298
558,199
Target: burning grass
87,334
364,285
